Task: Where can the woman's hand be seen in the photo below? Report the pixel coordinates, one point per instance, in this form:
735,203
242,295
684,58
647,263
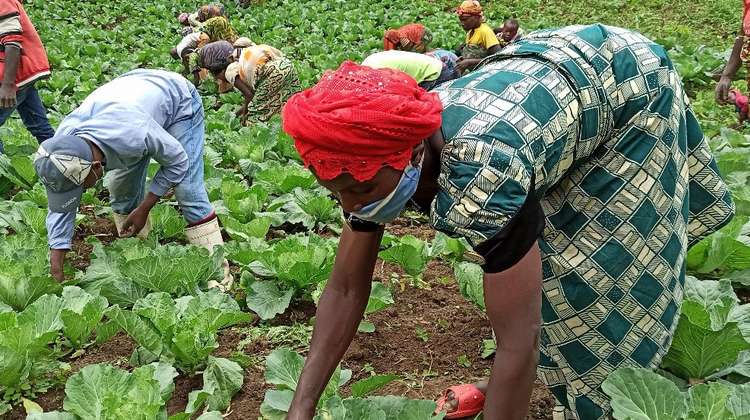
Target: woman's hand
722,90
56,262
466,64
242,113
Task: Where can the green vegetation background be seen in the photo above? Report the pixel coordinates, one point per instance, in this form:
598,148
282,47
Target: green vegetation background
90,42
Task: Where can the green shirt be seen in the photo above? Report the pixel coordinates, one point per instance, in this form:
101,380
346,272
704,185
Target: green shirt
421,67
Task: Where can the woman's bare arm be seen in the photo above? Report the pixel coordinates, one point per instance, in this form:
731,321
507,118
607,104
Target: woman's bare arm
339,313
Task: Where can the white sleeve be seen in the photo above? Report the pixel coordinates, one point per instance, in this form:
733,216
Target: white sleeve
231,73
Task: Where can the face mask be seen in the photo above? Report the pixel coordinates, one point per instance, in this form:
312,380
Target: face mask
387,210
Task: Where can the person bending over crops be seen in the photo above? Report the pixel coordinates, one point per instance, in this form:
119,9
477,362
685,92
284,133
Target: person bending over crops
740,54
213,57
265,77
23,62
573,164
414,37
187,45
119,128
203,14
216,29
428,71
480,39
411,37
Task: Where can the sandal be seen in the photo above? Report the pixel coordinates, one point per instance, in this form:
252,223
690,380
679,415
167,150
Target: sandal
470,401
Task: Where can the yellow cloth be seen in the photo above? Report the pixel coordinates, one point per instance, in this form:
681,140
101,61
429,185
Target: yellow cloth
483,35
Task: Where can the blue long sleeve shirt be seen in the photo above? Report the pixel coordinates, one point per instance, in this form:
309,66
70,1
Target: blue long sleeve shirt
128,119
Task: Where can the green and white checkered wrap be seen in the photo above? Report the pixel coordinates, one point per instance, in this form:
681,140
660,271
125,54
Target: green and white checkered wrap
599,116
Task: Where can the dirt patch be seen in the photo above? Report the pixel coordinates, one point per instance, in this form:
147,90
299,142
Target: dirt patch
101,228
405,226
420,338
438,315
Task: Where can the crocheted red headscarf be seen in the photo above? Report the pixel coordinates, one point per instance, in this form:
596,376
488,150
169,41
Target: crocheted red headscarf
359,119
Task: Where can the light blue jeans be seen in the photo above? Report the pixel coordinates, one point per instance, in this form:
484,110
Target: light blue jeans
127,186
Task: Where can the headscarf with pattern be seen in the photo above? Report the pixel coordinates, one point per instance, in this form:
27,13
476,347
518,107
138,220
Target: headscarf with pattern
407,38
470,8
210,10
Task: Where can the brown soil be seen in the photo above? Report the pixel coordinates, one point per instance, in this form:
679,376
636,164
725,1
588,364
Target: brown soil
101,228
451,326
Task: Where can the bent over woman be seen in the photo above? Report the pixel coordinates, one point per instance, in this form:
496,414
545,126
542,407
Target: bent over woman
572,162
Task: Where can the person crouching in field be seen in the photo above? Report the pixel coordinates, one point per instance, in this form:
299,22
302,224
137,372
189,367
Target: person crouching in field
572,175
481,40
415,37
118,129
23,62
264,76
428,71
203,14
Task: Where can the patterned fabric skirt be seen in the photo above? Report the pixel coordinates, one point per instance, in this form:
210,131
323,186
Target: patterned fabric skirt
275,82
626,180
619,224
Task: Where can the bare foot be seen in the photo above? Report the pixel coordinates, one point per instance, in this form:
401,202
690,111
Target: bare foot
451,402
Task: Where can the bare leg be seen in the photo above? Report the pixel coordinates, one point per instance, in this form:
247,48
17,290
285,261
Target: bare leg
514,299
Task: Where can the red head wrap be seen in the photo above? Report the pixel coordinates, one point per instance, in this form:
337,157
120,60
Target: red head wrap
358,119
412,33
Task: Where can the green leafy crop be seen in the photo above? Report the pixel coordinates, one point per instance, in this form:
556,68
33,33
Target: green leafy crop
183,330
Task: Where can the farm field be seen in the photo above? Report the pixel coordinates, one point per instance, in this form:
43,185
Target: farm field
134,334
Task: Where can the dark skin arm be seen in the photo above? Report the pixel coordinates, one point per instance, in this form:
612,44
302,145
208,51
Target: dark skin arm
196,78
465,64
133,224
56,261
340,310
186,62
247,93
137,218
8,87
730,70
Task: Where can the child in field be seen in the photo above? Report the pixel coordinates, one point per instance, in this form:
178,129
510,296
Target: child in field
509,33
23,61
